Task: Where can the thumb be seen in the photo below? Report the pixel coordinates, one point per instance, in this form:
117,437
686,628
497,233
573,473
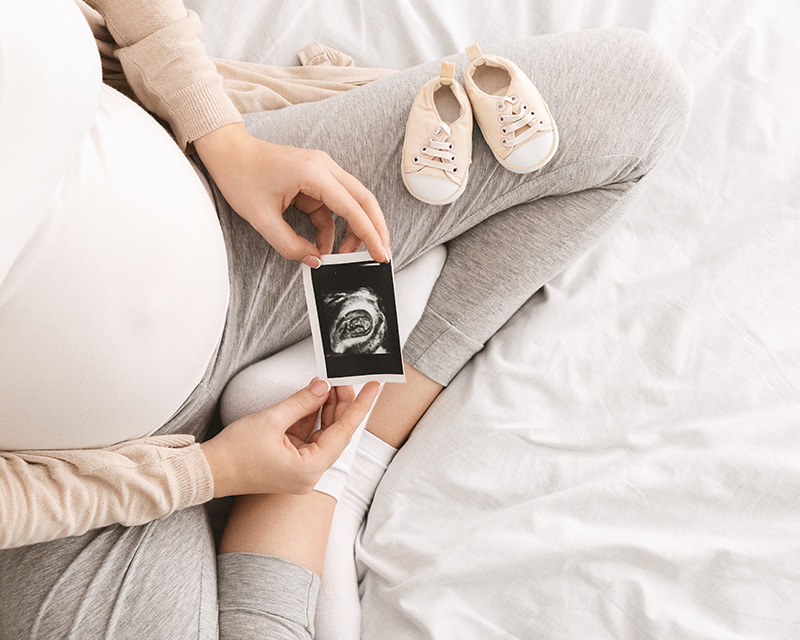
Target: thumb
299,405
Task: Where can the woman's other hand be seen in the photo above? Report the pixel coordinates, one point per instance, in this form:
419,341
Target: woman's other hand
275,451
260,180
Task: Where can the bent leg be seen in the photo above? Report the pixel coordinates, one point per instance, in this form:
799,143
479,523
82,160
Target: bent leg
620,104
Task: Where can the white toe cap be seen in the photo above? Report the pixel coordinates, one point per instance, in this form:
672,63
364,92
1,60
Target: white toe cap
533,154
430,189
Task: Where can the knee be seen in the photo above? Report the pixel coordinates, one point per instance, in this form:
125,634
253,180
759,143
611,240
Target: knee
660,94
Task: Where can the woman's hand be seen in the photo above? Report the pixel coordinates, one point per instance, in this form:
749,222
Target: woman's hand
260,180
274,451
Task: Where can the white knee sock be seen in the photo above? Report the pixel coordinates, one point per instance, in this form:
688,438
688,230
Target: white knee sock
338,605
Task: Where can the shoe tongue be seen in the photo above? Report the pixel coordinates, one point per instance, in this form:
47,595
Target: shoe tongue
503,93
507,92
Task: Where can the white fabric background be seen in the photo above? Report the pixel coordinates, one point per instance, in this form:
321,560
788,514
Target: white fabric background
623,459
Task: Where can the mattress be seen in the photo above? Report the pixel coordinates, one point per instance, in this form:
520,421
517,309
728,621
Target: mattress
622,460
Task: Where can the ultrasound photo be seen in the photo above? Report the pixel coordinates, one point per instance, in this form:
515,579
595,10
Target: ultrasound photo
353,314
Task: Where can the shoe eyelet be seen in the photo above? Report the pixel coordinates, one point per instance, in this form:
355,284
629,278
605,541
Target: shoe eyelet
453,158
524,106
541,121
455,169
503,131
437,131
501,106
416,160
501,118
424,149
505,142
514,99
431,140
451,146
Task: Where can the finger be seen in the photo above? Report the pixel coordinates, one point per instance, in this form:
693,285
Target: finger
323,222
351,243
329,409
364,197
307,204
326,445
345,397
305,402
284,239
322,219
328,189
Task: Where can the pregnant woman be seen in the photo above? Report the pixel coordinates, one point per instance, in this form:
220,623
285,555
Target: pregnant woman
133,289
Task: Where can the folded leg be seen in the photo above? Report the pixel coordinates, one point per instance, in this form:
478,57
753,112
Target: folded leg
621,104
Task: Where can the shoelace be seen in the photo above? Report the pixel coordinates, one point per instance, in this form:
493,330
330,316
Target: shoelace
516,120
442,149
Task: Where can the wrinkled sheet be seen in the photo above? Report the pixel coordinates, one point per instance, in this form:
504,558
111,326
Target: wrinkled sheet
623,459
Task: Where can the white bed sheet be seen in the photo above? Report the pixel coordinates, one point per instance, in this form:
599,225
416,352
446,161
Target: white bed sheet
623,459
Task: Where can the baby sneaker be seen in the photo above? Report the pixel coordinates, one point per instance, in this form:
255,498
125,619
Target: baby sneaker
511,114
437,150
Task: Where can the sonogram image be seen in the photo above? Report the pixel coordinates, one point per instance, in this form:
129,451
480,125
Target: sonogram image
353,313
356,322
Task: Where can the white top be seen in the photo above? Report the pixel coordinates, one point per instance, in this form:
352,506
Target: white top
113,271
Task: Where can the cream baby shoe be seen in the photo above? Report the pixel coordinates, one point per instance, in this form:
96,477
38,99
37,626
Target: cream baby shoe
511,114
437,150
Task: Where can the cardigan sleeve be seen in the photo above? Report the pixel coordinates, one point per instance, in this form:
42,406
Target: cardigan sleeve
159,45
46,495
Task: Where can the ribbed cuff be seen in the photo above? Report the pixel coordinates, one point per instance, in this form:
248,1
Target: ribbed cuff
189,476
371,446
438,349
200,109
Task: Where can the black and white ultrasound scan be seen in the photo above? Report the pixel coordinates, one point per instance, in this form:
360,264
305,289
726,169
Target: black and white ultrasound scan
353,313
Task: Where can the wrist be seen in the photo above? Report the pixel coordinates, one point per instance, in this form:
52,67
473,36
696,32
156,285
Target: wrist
224,139
221,471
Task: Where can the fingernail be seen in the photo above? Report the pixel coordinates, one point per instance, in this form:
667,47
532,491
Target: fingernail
320,387
313,262
388,252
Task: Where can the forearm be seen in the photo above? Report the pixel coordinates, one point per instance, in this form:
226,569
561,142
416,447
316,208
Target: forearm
46,495
165,63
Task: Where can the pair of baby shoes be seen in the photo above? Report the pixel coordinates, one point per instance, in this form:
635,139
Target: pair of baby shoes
513,117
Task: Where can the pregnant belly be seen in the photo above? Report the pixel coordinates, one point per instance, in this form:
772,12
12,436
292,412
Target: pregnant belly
110,317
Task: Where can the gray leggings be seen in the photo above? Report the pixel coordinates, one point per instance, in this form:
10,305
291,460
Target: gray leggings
620,104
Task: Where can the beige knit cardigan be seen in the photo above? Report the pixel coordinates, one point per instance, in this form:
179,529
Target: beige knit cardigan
152,51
